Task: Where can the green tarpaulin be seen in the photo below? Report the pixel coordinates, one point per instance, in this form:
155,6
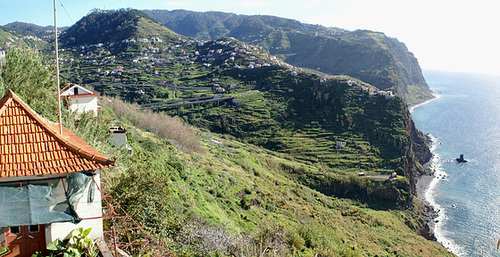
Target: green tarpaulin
41,202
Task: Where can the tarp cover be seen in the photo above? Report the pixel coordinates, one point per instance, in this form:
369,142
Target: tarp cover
41,202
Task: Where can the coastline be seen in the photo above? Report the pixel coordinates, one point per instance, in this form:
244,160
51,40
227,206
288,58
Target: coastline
424,181
429,213
434,97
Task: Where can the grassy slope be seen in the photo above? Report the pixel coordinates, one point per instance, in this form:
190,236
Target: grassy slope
245,189
214,189
241,187
283,118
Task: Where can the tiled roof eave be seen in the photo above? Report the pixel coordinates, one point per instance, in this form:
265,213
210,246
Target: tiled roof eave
32,145
60,138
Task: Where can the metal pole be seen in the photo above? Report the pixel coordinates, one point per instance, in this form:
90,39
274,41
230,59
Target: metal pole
57,71
114,236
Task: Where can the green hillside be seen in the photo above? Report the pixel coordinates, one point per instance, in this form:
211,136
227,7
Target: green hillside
232,198
30,29
301,114
237,199
371,56
114,26
8,39
271,164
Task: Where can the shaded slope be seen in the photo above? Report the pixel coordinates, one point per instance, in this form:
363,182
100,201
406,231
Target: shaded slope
114,26
32,29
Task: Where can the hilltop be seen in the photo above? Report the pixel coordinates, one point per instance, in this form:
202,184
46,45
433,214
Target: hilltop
30,29
12,36
370,56
114,26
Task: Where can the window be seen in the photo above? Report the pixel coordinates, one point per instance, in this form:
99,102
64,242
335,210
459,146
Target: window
34,229
15,230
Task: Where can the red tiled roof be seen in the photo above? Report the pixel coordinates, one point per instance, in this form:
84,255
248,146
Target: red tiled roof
31,145
67,88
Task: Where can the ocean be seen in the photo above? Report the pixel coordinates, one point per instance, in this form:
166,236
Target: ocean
464,119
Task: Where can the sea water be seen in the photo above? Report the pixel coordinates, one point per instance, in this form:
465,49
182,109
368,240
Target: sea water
464,119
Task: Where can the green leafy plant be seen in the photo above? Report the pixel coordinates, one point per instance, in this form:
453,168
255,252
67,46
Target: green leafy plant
3,250
77,245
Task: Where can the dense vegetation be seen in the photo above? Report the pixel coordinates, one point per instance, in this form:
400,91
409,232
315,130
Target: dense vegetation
25,75
271,170
31,29
114,26
370,56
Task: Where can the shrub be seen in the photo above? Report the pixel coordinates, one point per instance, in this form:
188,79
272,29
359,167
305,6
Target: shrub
144,186
25,75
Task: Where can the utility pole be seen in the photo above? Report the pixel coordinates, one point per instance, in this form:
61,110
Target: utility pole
57,71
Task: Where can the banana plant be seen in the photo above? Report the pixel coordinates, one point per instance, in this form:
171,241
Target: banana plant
77,245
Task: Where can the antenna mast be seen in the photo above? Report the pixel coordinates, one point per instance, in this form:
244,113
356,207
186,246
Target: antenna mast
57,72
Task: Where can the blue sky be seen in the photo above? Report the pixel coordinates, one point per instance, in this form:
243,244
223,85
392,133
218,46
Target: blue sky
453,35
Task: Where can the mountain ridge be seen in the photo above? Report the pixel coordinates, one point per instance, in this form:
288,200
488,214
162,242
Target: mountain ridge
125,24
31,29
371,56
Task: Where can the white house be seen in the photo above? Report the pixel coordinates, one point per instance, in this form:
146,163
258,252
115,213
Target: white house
340,144
79,99
386,94
48,181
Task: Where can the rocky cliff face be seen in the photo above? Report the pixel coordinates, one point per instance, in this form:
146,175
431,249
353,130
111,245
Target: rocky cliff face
417,152
370,56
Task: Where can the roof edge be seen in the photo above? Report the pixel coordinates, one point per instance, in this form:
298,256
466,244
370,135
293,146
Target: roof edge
53,132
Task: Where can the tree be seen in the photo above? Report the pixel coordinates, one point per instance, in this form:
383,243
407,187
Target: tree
26,75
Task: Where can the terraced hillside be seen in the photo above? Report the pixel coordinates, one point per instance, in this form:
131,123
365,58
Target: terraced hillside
271,170
370,56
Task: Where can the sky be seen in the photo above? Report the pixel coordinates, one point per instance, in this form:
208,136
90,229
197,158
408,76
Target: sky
451,35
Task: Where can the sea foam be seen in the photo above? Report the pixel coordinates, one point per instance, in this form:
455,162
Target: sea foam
441,220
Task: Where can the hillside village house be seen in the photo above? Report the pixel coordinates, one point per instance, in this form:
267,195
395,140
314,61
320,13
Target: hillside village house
79,99
48,181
